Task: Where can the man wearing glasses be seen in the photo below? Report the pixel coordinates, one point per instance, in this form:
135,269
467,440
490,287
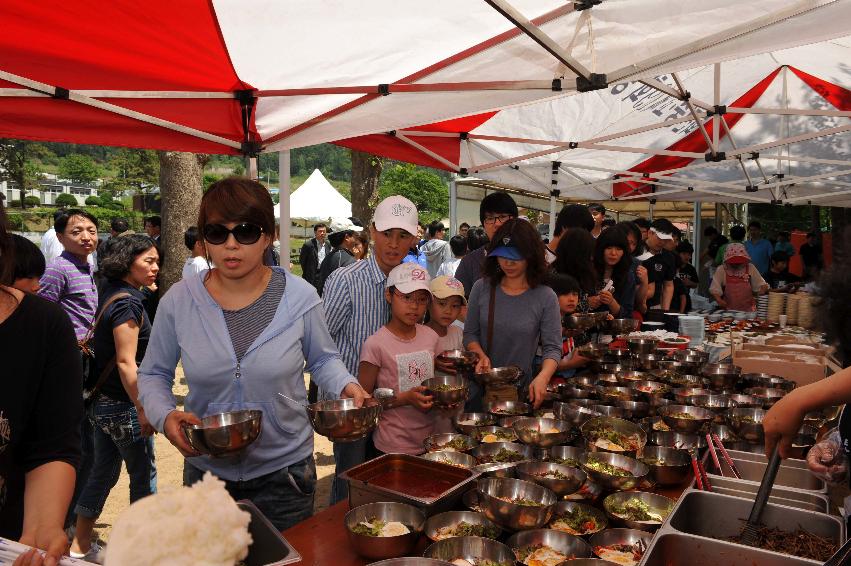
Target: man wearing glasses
495,210
355,307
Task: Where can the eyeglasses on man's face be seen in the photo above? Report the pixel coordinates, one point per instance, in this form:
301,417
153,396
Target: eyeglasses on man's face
494,218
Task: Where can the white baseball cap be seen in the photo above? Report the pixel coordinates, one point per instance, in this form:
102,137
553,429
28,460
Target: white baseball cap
344,224
661,235
396,212
409,277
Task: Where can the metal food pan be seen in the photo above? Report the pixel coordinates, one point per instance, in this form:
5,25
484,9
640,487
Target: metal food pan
678,549
718,516
386,477
757,457
800,499
793,477
268,546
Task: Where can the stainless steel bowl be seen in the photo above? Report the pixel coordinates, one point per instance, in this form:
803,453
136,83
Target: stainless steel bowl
583,381
472,549
724,432
616,367
592,351
498,496
682,380
459,359
637,470
581,403
668,466
683,395
489,434
767,380
508,408
543,432
377,548
496,470
457,459
657,504
341,421
629,537
697,419
607,380
721,376
768,396
715,403
583,562
611,395
454,518
470,499
508,422
679,366
657,402
678,440
627,378
569,545
591,432
609,411
566,455
574,414
691,353
415,561
747,424
745,402
803,441
499,376
647,362
441,442
567,392
466,423
535,472
642,346
647,389
580,321
619,326
634,410
447,391
569,507
225,433
485,453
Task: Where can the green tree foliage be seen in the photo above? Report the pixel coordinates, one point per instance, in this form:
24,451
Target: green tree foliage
65,200
79,168
135,170
425,189
93,201
17,164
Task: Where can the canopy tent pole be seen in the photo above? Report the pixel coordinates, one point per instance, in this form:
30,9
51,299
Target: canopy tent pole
650,208
453,206
554,193
251,168
697,229
284,204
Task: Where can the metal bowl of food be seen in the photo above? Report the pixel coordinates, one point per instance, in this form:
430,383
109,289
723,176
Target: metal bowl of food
629,377
447,391
489,434
682,380
679,440
384,530
724,433
668,466
647,362
606,380
342,421
567,392
619,326
502,453
647,389
609,411
577,519
225,433
499,376
580,321
627,544
592,351
745,402
767,395
683,395
457,459
634,410
508,422
614,394
516,504
508,408
545,546
466,423
686,418
616,367
656,402
691,353
583,381
543,432
713,402
460,524
618,354
747,424
614,471
459,359
561,480
679,366
642,346
721,376
449,442
613,435
638,509
574,414
471,550
581,403
565,455
470,499
767,380
496,470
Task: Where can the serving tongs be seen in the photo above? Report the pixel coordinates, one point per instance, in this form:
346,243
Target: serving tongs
726,455
749,533
700,478
714,455
841,557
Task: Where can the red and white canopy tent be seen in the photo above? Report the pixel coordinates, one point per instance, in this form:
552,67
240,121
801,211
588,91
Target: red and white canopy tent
225,76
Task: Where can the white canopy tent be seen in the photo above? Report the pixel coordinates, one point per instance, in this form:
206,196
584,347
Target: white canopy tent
316,200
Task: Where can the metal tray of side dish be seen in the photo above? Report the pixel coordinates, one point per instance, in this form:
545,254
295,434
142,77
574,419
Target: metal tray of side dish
696,532
800,499
431,486
268,546
790,475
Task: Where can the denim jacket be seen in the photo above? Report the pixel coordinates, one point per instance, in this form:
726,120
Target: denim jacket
190,326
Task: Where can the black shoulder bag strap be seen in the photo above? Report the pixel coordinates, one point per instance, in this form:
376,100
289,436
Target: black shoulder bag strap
111,365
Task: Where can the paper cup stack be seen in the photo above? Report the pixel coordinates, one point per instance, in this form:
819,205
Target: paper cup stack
762,307
776,306
806,312
694,328
792,307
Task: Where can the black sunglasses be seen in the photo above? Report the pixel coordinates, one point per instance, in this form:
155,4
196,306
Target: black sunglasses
244,233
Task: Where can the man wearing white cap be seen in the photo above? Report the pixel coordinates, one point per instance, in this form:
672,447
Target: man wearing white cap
661,267
355,307
343,240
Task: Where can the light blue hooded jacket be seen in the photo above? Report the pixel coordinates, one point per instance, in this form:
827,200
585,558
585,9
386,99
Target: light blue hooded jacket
190,326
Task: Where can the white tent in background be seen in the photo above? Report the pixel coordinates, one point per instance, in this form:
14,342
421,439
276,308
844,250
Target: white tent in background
316,200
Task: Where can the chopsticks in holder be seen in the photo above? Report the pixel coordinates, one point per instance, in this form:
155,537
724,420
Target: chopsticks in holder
706,485
714,455
698,478
726,456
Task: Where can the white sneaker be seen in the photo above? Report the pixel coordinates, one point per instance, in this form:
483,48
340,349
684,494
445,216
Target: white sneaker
94,555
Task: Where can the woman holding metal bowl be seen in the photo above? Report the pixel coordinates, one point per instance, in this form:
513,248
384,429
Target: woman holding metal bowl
244,332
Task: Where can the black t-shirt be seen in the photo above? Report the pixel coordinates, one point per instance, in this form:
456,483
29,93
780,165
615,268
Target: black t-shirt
660,268
810,255
41,403
470,269
687,271
715,245
778,280
119,312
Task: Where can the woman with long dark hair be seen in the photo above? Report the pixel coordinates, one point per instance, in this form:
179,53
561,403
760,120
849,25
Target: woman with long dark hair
639,272
613,264
574,257
40,414
510,309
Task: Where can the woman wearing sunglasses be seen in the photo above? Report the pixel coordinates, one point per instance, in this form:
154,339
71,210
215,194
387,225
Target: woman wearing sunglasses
244,333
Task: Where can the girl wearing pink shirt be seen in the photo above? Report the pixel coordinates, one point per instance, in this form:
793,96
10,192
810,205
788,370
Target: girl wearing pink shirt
400,356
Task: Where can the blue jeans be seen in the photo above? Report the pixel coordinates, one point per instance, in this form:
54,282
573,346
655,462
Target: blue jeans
117,438
285,497
347,455
87,456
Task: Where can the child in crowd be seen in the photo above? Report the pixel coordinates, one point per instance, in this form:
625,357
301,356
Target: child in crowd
400,356
568,291
29,265
778,276
446,304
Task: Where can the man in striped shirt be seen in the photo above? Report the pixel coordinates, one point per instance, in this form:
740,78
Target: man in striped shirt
355,307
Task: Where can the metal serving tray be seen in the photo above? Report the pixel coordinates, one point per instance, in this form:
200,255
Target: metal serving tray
268,547
384,479
677,549
757,457
752,471
806,500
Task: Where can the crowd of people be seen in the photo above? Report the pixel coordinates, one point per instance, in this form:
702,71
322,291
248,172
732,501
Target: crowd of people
375,305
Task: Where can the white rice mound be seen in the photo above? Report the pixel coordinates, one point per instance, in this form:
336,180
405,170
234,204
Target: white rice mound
190,526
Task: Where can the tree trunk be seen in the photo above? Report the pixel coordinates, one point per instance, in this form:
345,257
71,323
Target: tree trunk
815,218
366,171
181,182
